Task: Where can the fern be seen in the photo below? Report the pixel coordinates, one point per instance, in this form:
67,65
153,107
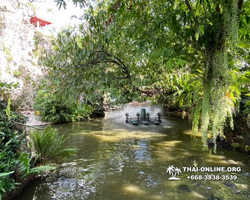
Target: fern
6,174
48,144
40,169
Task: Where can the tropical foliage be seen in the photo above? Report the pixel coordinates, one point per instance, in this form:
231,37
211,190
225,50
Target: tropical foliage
58,107
11,160
188,52
16,161
48,144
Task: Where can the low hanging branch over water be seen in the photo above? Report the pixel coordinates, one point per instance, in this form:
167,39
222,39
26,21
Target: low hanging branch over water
98,57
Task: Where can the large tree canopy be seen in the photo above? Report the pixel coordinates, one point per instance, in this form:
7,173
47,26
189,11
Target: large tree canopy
192,51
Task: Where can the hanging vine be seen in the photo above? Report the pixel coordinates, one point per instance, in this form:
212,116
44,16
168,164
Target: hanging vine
217,106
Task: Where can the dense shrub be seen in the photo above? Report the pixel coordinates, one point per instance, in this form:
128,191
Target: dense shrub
56,108
13,162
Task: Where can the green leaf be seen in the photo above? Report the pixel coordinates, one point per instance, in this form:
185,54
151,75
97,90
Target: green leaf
8,109
197,36
169,63
199,71
41,169
199,31
6,174
182,62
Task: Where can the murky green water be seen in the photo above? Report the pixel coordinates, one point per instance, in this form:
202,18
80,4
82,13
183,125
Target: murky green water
117,161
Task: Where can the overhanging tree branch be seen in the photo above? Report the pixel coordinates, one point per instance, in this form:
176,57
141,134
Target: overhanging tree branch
217,8
240,4
188,5
102,56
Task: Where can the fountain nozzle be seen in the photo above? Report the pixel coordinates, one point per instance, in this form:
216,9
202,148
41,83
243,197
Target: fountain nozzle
138,116
127,118
159,117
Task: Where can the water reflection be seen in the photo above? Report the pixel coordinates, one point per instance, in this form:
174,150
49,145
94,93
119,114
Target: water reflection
118,161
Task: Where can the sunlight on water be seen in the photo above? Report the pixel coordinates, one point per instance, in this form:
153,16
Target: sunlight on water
195,195
169,143
156,197
216,157
120,134
198,134
133,189
221,162
242,186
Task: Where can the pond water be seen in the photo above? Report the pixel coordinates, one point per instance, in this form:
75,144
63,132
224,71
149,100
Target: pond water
118,161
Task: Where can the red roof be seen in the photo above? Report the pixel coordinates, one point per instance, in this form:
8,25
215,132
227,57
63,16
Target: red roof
41,21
